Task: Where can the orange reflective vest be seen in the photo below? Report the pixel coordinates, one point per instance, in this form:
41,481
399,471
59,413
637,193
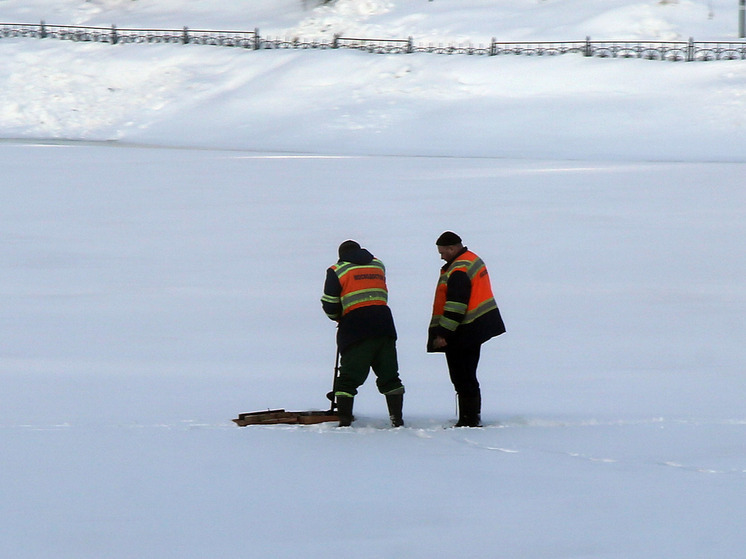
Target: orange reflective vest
363,285
451,314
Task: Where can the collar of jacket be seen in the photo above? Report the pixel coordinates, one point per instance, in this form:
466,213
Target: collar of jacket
452,260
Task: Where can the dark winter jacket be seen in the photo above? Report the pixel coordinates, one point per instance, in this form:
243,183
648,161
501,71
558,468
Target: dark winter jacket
360,323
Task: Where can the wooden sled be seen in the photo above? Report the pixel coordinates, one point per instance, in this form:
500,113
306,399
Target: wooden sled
273,417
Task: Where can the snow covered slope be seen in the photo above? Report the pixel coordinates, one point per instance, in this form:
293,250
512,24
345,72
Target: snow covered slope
358,103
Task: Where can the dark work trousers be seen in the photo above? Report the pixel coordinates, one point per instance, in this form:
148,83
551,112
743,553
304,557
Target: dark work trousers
357,360
462,367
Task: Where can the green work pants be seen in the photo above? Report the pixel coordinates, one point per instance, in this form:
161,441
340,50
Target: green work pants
357,360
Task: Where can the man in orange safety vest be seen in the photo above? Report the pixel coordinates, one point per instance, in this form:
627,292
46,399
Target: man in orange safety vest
465,315
356,297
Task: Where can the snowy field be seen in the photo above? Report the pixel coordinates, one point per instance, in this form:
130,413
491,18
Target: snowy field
167,214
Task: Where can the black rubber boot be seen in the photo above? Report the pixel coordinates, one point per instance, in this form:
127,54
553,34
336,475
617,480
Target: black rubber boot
395,403
344,410
469,411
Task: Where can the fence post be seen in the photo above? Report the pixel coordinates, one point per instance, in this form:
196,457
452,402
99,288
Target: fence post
335,41
588,51
43,30
493,47
185,36
410,45
690,50
114,36
257,40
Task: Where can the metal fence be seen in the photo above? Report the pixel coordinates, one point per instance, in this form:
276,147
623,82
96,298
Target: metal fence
650,50
113,35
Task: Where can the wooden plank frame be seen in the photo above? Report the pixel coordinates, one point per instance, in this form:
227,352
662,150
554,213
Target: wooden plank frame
280,416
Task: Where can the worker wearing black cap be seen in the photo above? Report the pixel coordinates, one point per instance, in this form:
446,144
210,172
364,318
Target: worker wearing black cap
465,315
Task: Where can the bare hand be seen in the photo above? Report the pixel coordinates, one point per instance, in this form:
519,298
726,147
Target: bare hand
439,342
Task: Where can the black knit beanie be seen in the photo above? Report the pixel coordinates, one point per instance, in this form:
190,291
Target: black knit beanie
347,246
447,239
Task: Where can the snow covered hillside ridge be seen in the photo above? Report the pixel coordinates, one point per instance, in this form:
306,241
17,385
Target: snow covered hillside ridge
358,103
438,20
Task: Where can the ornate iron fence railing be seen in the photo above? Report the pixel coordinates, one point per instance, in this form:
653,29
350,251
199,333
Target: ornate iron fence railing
114,35
649,50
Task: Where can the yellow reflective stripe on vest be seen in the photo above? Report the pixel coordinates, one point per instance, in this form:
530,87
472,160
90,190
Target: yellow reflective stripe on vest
482,309
476,271
456,307
370,280
362,296
334,301
448,323
473,267
342,269
330,299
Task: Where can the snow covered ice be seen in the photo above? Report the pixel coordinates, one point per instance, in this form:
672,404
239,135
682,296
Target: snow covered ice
167,214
